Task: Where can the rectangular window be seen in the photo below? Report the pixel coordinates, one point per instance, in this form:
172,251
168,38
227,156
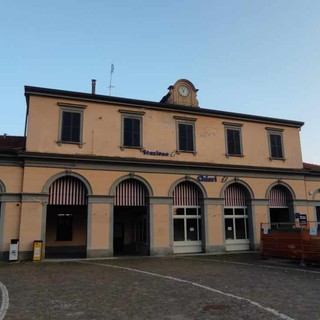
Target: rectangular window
276,148
233,137
131,132
71,126
186,137
178,230
187,224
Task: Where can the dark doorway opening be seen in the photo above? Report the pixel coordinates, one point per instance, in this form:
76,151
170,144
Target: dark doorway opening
66,231
131,230
279,215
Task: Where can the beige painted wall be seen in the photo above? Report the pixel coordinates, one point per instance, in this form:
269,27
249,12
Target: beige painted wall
100,215
102,135
11,177
11,212
215,231
30,225
161,227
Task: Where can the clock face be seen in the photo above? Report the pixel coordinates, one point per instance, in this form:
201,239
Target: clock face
184,91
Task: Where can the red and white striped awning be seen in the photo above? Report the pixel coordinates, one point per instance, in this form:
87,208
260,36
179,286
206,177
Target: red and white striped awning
131,192
68,191
235,196
186,194
278,197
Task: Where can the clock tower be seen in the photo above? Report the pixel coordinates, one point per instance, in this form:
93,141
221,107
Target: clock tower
183,92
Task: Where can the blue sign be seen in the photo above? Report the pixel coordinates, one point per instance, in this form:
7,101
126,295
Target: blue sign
204,178
207,179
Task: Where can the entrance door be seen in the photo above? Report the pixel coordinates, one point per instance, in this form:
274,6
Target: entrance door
187,232
318,218
187,229
236,223
66,223
236,229
131,219
130,231
278,206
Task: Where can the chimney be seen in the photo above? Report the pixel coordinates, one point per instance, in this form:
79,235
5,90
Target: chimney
93,82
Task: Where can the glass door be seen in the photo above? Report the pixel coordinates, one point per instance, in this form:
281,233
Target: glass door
236,228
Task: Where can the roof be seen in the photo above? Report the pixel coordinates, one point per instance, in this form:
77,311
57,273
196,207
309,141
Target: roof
80,96
311,167
11,143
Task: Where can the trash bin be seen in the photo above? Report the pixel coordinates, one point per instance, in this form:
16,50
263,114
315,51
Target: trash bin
14,250
37,250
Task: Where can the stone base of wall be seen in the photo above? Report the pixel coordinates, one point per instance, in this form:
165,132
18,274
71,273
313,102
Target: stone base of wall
215,249
26,255
4,256
161,251
255,247
99,253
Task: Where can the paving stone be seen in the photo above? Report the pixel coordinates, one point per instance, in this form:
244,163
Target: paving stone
101,289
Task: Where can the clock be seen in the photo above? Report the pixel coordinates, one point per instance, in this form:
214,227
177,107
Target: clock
184,91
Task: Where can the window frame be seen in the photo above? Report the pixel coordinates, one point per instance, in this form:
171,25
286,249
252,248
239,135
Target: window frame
133,116
233,127
78,109
185,217
186,122
278,133
234,216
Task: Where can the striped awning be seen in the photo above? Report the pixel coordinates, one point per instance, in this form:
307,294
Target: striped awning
278,197
68,191
131,192
235,196
186,194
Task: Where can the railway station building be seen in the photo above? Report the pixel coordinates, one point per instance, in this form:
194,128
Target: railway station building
101,176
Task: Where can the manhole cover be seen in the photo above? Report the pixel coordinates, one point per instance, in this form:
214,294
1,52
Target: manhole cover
215,307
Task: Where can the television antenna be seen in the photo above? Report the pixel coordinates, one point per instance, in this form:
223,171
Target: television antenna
110,84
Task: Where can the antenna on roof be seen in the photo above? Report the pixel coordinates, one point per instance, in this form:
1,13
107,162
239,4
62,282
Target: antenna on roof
110,84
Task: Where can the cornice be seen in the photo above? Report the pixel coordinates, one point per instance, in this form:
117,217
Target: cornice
88,97
152,165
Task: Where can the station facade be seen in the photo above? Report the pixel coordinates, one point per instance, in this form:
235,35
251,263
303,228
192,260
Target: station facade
98,176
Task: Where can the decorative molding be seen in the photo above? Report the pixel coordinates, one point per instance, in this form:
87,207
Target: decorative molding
34,197
161,200
134,112
100,199
274,129
71,105
10,197
232,124
180,118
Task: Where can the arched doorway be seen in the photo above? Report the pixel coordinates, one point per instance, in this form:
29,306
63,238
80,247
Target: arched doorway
280,205
187,222
2,192
236,217
131,231
316,199
66,224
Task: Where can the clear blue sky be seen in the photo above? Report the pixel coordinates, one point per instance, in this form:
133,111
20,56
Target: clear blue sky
259,57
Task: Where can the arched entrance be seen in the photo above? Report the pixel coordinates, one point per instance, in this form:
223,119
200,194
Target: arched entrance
2,192
236,222
187,224
131,231
66,224
280,205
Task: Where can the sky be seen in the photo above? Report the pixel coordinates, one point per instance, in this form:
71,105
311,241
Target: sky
259,57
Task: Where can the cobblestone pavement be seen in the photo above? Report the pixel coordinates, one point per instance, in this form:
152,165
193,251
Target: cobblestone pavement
232,286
